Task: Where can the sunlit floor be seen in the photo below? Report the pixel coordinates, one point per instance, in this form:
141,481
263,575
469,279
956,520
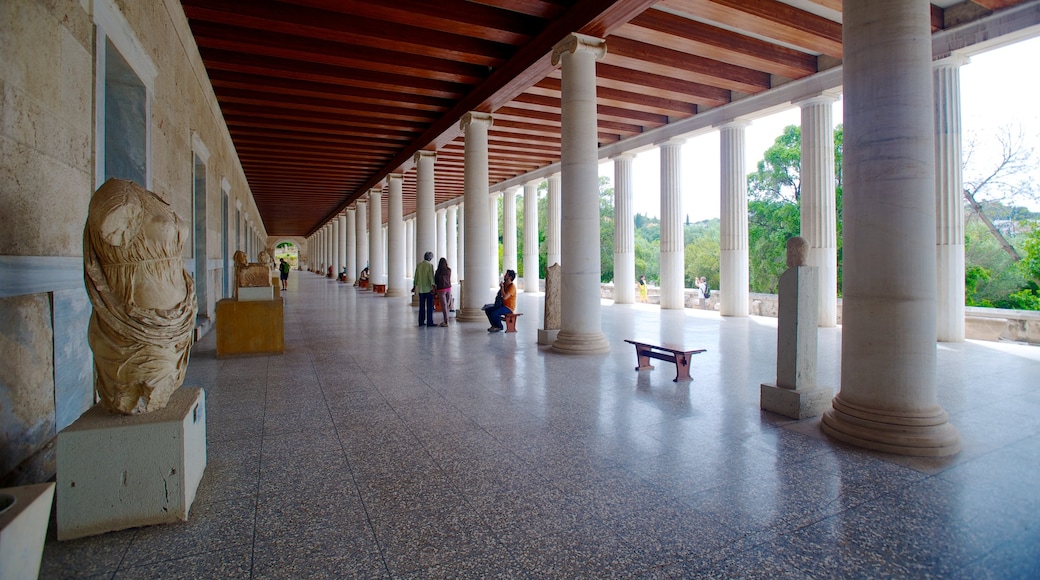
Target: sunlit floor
374,448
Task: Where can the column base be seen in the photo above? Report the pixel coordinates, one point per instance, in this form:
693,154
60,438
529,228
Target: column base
470,315
916,435
581,343
396,293
794,403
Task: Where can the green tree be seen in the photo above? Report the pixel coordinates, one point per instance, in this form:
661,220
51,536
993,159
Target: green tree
701,252
606,229
648,247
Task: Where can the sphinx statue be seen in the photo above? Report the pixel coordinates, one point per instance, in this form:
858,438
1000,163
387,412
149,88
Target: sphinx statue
266,257
141,329
250,274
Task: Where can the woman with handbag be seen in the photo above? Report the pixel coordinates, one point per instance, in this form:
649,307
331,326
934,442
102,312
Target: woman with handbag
442,280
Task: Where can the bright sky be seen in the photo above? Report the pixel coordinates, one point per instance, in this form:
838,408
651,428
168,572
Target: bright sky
995,91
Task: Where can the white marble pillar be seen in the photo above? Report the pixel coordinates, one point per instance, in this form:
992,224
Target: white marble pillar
377,271
888,400
552,237
818,202
734,290
425,226
326,244
441,217
395,237
461,255
362,236
342,243
476,232
495,275
580,322
949,201
452,235
673,250
351,261
334,246
409,248
509,229
624,232
531,237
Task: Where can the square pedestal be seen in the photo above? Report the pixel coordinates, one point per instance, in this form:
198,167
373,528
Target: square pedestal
124,471
547,336
247,294
250,327
24,513
795,403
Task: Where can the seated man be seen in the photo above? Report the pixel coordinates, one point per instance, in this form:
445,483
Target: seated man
505,302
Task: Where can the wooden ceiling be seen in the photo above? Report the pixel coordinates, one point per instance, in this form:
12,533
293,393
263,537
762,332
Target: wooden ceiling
324,98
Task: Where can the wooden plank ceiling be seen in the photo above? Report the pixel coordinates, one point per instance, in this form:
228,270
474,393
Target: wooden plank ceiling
324,98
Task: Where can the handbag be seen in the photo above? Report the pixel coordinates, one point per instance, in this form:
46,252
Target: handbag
498,303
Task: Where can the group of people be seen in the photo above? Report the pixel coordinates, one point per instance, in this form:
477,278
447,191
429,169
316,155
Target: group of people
703,292
432,284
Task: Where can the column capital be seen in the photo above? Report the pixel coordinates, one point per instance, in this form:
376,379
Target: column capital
953,60
420,155
673,142
574,42
824,98
375,191
476,117
393,176
360,201
626,156
733,124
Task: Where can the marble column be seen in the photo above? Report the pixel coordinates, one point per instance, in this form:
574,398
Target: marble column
624,232
362,236
949,201
342,243
334,246
425,226
461,255
452,235
409,248
734,282
441,217
580,322
476,232
509,229
888,400
531,237
395,237
552,237
818,202
351,262
377,271
495,275
673,250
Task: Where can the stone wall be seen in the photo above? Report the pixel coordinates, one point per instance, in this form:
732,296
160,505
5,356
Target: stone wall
47,175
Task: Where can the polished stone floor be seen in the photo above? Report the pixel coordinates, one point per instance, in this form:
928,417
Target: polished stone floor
374,448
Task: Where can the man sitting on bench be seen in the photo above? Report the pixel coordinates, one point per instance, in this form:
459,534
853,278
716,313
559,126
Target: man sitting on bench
505,302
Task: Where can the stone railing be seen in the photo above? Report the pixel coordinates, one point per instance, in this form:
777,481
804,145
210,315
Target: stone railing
979,323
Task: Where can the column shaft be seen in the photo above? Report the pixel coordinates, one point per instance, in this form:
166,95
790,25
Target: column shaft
334,245
342,243
531,267
441,217
818,202
452,227
395,243
949,203
476,233
673,280
377,271
425,226
733,263
351,262
552,237
624,232
362,235
509,229
495,273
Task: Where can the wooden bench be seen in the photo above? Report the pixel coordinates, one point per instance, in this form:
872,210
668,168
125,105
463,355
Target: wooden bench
511,320
671,353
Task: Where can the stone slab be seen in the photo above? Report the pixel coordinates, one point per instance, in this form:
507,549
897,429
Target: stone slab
125,471
547,337
794,403
250,327
23,528
247,294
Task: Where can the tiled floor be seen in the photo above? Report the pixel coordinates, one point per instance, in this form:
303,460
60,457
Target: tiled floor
377,449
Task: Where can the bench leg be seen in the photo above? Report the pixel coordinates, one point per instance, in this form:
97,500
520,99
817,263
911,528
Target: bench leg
642,360
682,368
510,323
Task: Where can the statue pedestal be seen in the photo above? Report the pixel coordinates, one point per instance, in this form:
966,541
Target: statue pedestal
250,327
246,294
125,471
24,513
547,336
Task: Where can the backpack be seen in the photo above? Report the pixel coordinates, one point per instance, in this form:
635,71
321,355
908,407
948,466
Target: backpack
707,291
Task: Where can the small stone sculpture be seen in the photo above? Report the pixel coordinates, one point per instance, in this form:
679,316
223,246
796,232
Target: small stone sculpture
266,257
144,300
250,275
797,252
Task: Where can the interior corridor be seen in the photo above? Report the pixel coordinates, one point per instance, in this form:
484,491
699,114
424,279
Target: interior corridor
374,448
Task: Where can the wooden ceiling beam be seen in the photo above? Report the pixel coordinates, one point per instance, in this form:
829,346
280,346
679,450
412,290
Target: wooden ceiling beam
680,65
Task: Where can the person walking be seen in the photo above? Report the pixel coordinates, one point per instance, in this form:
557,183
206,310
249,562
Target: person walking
442,280
283,273
642,288
423,284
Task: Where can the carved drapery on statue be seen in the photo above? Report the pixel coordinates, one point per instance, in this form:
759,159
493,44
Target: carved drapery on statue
143,298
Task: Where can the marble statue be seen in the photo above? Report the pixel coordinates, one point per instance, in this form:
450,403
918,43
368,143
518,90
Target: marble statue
552,297
144,302
797,252
250,275
266,258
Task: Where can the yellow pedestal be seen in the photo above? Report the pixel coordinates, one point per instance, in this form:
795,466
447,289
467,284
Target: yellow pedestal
250,328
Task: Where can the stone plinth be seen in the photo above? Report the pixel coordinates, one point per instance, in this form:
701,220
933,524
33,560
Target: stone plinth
24,513
250,327
125,471
247,294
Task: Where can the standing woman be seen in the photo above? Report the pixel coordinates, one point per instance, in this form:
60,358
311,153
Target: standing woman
442,280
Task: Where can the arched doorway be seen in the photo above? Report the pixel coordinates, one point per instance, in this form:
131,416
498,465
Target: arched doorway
288,251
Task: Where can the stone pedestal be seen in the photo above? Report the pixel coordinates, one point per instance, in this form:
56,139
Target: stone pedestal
124,471
256,293
250,328
547,336
24,513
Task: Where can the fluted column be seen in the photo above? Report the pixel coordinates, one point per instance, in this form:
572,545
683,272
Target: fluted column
818,202
531,268
395,237
461,268
362,237
509,229
334,245
888,399
949,203
441,217
409,249
341,241
476,235
377,271
733,264
351,262
552,237
580,326
452,229
673,249
425,227
624,232
495,273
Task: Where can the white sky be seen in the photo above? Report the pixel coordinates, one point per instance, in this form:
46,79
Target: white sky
997,89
